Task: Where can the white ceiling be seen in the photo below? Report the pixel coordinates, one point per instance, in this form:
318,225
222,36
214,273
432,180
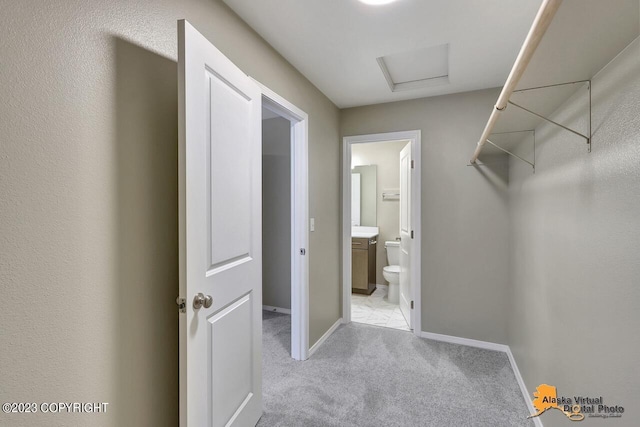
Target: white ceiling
336,43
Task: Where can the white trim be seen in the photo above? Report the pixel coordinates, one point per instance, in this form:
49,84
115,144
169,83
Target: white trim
324,337
416,212
465,341
276,309
299,217
495,347
523,388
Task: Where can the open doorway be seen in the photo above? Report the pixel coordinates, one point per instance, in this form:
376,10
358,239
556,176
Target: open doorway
276,214
285,218
381,230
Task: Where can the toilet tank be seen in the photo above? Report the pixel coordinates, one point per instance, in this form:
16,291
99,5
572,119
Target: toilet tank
393,252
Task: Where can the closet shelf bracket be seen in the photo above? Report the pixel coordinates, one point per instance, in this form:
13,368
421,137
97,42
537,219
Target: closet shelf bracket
504,150
533,165
586,138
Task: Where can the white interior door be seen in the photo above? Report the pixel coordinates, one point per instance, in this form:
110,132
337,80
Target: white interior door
405,234
220,237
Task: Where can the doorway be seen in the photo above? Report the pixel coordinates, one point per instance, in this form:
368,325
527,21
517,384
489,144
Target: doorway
286,216
383,218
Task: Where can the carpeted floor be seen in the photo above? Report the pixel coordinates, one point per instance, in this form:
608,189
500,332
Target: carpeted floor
372,376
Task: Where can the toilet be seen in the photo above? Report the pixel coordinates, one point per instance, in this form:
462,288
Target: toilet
391,272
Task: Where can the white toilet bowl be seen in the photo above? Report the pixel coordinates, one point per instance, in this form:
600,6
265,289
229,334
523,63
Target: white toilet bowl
391,273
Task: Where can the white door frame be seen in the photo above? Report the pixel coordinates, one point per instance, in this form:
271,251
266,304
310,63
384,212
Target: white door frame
299,218
416,260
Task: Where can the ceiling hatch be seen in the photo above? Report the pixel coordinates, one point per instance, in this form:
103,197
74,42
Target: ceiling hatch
416,69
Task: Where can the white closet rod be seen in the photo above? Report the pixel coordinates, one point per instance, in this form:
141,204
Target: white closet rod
538,28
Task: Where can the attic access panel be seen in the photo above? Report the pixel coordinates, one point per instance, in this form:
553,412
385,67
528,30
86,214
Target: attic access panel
416,69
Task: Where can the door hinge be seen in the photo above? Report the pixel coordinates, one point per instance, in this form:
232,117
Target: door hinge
303,251
412,234
411,305
182,304
412,164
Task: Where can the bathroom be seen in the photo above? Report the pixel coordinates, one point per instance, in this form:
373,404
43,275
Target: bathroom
375,221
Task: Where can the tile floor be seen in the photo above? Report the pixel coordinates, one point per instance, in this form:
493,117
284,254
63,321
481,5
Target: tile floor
376,310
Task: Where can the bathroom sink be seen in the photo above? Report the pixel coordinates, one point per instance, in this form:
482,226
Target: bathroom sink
364,232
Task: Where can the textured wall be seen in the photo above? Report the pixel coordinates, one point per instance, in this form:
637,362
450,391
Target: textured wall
276,213
575,239
464,211
88,206
386,156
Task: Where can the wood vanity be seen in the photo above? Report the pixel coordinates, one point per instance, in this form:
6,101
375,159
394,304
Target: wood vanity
363,264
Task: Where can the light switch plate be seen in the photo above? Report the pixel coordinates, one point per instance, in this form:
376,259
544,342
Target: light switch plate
312,224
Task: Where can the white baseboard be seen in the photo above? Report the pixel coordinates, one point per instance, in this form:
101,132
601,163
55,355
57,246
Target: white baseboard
465,341
523,388
276,309
495,347
324,337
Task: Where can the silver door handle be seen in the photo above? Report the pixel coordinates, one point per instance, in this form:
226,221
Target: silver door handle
201,300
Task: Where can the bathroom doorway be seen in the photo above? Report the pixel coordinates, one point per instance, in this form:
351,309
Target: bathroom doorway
285,218
381,230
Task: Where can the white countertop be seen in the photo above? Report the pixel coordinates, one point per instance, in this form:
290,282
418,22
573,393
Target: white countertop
364,232
364,235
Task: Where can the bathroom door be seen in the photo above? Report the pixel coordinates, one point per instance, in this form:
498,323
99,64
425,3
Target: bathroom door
219,174
405,233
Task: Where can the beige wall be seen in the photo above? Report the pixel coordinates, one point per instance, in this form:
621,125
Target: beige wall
575,240
276,213
464,211
386,156
88,206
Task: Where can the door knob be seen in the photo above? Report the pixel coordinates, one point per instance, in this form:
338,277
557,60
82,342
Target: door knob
201,300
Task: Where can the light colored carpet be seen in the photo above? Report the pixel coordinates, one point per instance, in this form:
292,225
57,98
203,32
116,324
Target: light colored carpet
372,376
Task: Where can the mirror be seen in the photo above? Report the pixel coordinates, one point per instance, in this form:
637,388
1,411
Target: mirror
363,195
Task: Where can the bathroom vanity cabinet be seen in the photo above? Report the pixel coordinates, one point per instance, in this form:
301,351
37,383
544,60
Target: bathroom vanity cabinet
363,265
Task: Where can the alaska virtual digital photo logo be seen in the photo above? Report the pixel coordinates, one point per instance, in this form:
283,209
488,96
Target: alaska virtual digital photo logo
546,397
